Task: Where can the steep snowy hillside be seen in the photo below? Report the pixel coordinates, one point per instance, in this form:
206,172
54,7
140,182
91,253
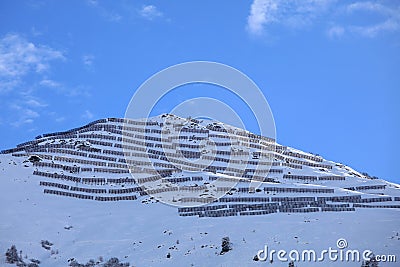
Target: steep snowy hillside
166,191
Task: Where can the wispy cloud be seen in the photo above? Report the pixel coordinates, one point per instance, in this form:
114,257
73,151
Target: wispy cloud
288,13
262,13
125,11
87,115
35,103
7,85
35,32
77,91
60,119
368,6
390,21
56,117
296,14
372,31
21,122
25,114
21,61
150,12
88,60
335,32
18,56
93,2
49,83
24,110
26,86
107,14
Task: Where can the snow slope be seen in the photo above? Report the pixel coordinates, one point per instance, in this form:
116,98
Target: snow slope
143,231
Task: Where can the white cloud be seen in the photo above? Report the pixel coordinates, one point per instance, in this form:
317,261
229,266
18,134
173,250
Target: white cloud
30,113
88,61
69,91
296,14
56,117
150,12
87,115
7,85
75,92
23,77
22,122
262,12
35,103
112,16
109,15
92,2
289,13
335,32
35,32
60,119
19,57
390,18
25,115
367,6
371,31
49,83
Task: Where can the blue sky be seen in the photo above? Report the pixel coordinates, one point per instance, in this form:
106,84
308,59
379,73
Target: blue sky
329,69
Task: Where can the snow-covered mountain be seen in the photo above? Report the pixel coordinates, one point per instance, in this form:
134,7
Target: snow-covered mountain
165,191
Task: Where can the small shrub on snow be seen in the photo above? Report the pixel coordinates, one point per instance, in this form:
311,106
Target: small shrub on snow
12,255
226,245
114,262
